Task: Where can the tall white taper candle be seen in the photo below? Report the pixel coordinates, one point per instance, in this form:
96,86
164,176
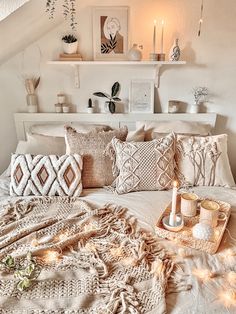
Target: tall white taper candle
172,220
162,36
154,36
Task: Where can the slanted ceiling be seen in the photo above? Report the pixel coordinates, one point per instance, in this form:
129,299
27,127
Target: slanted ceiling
24,26
9,6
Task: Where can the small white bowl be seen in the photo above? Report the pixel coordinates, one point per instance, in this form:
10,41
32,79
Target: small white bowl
179,223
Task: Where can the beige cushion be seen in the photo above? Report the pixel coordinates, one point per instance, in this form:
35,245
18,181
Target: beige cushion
203,161
97,169
166,127
136,136
145,166
46,175
58,130
42,145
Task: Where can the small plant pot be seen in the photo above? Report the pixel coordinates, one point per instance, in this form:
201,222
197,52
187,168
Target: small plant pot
70,48
108,108
194,108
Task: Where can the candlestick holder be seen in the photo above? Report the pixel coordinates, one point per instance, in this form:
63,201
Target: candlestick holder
153,56
178,224
161,57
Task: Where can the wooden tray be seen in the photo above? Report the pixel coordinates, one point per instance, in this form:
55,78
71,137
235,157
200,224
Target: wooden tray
184,236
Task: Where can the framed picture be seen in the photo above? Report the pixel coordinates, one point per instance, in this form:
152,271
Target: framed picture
110,33
141,96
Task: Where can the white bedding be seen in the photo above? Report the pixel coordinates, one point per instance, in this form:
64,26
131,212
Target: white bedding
147,206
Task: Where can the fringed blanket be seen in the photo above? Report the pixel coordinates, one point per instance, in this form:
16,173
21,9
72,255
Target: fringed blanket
88,260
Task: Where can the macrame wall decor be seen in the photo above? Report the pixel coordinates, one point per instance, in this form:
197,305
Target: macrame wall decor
69,10
201,19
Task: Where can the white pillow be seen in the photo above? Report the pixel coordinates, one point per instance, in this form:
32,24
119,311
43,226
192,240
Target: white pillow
42,145
203,161
58,130
179,127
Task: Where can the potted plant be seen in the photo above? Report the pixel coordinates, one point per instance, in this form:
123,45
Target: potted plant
112,99
70,44
200,94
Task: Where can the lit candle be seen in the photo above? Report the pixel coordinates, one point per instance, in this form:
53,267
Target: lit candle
162,36
172,221
154,36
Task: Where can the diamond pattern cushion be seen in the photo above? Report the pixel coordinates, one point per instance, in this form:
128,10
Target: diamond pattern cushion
46,175
97,168
144,166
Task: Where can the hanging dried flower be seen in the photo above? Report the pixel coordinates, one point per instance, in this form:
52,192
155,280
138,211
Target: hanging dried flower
201,19
69,10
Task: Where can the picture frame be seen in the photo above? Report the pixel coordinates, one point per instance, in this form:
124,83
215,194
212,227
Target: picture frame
141,96
110,33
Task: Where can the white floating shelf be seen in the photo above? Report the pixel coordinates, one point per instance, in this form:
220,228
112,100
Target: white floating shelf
156,64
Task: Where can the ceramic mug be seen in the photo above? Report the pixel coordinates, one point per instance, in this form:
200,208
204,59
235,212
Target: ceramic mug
209,213
189,202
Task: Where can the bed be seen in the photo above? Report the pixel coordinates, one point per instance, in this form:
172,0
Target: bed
189,294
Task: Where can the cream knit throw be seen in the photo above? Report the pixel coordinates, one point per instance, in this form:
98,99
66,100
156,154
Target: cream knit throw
102,263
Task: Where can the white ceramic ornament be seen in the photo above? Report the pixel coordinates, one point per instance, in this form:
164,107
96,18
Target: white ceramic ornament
202,231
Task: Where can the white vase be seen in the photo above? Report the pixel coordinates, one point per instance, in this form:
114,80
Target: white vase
174,54
135,54
194,108
70,48
32,103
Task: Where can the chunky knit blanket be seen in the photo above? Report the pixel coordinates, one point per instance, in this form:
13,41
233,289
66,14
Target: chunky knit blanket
92,260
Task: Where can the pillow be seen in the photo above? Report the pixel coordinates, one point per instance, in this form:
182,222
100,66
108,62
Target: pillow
41,145
136,136
97,169
166,127
46,175
58,130
203,161
145,166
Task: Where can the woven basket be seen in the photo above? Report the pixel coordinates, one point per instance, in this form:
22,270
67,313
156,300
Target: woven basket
184,236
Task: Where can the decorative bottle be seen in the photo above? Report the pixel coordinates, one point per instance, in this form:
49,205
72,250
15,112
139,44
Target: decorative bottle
135,54
174,54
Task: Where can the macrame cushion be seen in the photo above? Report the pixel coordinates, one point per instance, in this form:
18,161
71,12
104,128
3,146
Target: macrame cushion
144,166
203,161
97,168
46,175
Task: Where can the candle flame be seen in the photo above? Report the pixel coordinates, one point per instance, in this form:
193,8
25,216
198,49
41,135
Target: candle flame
162,22
175,184
155,22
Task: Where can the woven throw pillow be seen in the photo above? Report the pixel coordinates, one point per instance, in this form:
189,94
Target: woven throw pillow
97,168
203,161
144,166
46,175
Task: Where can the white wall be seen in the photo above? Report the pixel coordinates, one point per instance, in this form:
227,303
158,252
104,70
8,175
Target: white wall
211,63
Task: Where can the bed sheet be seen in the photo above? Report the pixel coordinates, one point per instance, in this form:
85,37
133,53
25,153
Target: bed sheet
204,297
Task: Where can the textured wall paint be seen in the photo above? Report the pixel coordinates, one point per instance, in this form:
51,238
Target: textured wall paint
211,62
7,7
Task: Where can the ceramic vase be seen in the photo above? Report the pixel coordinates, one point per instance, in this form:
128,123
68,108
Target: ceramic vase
135,54
174,54
70,48
32,103
194,108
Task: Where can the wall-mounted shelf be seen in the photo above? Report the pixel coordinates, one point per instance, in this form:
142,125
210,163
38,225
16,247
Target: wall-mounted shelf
155,64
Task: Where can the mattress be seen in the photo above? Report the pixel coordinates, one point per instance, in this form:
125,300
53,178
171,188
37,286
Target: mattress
147,206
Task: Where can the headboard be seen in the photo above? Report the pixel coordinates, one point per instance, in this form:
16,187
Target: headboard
23,121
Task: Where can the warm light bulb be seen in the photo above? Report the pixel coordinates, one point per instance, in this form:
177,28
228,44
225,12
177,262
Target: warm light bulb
162,22
231,277
155,22
203,274
62,236
228,298
34,243
51,256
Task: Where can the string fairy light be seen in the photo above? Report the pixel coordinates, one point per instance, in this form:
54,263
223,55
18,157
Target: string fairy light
231,278
51,256
203,274
201,19
228,298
